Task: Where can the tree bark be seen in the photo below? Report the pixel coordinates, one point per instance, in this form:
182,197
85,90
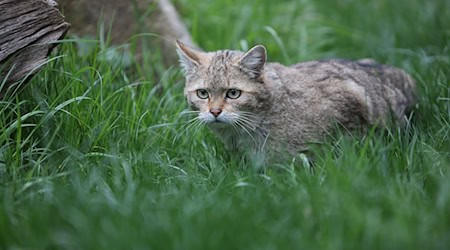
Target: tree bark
29,30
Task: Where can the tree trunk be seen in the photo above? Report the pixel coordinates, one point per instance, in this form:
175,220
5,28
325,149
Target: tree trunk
29,30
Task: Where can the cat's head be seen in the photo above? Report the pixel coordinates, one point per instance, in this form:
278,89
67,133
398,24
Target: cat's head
225,86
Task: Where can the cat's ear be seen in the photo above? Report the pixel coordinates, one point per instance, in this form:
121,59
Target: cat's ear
252,62
189,57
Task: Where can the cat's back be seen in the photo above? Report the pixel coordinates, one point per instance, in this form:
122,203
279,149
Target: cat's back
337,86
367,73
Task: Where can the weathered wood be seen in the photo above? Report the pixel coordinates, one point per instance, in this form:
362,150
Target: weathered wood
170,26
29,30
128,18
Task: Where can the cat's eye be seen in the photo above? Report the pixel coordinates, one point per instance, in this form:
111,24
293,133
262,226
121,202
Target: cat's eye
233,93
202,93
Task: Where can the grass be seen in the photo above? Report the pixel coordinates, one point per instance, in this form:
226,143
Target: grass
88,158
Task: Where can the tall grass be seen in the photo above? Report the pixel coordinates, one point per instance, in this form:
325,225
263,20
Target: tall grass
91,155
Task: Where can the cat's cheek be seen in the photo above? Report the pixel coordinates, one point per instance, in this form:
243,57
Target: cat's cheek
194,108
238,104
251,105
193,105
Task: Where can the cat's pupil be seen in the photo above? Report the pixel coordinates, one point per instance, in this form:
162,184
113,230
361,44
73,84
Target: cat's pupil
233,93
202,93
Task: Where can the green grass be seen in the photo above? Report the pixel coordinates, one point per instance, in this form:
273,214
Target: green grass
89,160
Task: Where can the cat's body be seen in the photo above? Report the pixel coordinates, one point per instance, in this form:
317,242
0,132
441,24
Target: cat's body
281,108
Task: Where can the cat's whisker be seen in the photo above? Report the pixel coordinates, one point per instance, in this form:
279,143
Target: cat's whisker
187,123
248,114
192,125
184,112
265,136
188,112
233,124
186,126
249,120
252,119
249,117
243,126
198,127
249,123
261,135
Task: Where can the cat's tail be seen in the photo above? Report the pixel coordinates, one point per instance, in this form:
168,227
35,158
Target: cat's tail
401,91
400,87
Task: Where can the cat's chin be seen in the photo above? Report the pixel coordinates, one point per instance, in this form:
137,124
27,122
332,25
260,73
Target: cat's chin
218,124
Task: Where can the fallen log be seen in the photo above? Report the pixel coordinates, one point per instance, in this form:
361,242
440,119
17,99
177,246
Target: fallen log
124,19
29,30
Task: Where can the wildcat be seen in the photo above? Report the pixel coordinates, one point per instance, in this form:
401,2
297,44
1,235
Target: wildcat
259,107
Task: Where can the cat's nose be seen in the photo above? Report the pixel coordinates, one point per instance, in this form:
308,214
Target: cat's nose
215,112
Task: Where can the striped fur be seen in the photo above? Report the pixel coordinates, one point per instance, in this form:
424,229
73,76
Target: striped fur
288,107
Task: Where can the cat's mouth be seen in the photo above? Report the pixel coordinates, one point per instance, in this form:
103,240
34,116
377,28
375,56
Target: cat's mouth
222,119
218,123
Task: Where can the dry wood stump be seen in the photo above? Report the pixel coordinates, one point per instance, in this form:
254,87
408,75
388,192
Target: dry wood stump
29,30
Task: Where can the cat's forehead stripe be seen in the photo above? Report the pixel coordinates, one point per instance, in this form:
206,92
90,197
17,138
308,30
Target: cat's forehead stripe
219,67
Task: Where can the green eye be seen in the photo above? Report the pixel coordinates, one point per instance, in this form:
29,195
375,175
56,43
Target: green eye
233,93
202,93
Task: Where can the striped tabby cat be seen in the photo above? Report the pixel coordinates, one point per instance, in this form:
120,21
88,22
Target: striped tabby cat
261,107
